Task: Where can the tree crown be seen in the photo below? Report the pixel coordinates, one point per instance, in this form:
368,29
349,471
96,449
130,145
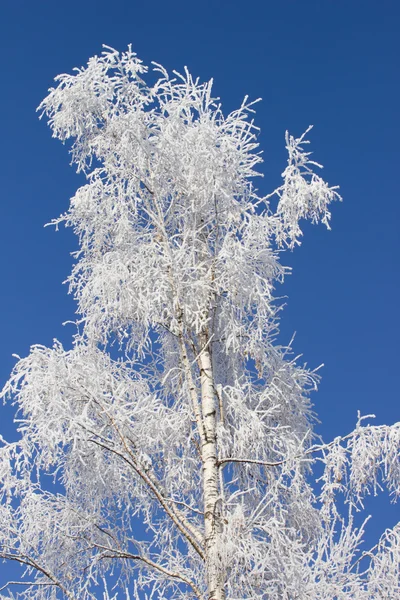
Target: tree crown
200,426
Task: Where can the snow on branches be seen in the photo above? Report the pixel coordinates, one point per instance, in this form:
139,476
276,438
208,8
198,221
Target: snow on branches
170,452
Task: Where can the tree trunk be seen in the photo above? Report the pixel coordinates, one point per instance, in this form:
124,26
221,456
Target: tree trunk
212,521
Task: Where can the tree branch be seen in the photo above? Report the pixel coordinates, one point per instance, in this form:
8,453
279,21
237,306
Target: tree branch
187,530
224,461
27,583
30,562
150,563
192,386
180,521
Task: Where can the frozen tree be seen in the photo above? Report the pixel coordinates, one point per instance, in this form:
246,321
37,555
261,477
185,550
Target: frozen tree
169,453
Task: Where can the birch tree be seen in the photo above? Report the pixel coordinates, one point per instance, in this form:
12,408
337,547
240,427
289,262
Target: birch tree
169,452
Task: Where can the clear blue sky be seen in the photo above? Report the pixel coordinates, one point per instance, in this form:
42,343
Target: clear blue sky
330,63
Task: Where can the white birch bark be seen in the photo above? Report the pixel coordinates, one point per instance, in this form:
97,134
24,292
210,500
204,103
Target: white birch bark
212,521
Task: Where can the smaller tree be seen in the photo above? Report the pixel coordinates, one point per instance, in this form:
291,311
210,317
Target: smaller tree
177,432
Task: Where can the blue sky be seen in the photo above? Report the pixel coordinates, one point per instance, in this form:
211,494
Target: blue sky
330,63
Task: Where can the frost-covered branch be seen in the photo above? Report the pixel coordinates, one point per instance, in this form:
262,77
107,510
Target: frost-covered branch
110,553
188,531
169,452
33,564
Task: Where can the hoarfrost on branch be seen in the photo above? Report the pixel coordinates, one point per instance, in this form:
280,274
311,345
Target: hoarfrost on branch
177,434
